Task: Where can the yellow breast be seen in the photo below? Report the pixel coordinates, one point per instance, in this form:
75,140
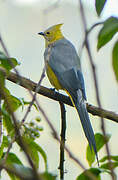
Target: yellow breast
52,78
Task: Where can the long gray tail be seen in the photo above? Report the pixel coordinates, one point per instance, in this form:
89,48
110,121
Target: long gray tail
85,121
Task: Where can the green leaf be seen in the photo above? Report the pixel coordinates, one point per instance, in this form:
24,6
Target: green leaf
26,172
34,149
100,141
2,81
2,56
7,122
95,171
31,150
11,103
115,158
115,59
16,103
12,63
4,144
48,176
20,171
107,165
12,158
6,141
12,176
7,63
2,147
43,154
99,4
7,99
109,29
90,156
1,150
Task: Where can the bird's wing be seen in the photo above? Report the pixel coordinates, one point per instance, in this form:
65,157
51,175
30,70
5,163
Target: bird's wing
63,55
72,81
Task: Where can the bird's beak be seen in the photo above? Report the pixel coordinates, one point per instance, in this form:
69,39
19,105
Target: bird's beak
41,33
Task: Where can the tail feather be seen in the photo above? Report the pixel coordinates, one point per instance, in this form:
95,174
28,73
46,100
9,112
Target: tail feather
85,121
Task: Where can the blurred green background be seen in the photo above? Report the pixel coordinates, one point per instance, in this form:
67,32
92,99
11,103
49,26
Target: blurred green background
20,21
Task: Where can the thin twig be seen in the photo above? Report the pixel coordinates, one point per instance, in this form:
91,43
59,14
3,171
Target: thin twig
87,33
3,46
95,83
93,26
8,150
8,55
63,139
39,84
34,97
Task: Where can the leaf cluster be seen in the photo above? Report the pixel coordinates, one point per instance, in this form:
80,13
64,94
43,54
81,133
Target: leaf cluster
107,32
104,166
29,131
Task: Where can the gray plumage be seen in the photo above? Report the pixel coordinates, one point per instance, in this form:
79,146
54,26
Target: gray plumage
65,63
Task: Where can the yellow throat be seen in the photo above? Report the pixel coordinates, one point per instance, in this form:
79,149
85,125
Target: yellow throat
51,35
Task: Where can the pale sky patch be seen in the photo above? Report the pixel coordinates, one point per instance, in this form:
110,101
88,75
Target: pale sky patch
111,7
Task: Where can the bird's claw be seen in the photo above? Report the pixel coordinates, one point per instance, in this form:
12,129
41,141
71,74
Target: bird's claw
53,89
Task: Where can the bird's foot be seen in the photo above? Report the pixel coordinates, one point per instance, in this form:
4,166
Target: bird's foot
53,89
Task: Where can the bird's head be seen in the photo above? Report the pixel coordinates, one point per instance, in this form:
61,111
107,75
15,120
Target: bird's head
52,34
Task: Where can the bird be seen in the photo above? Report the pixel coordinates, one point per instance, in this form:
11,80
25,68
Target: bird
64,72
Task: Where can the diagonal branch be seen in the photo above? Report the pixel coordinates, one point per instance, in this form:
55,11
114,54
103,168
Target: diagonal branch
28,84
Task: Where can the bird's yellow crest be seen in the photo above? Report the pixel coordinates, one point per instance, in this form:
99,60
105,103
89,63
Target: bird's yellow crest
52,34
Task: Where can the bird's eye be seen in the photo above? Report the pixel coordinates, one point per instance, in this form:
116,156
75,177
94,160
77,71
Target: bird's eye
48,33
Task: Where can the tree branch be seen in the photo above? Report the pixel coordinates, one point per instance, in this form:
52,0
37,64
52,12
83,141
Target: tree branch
28,84
62,143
